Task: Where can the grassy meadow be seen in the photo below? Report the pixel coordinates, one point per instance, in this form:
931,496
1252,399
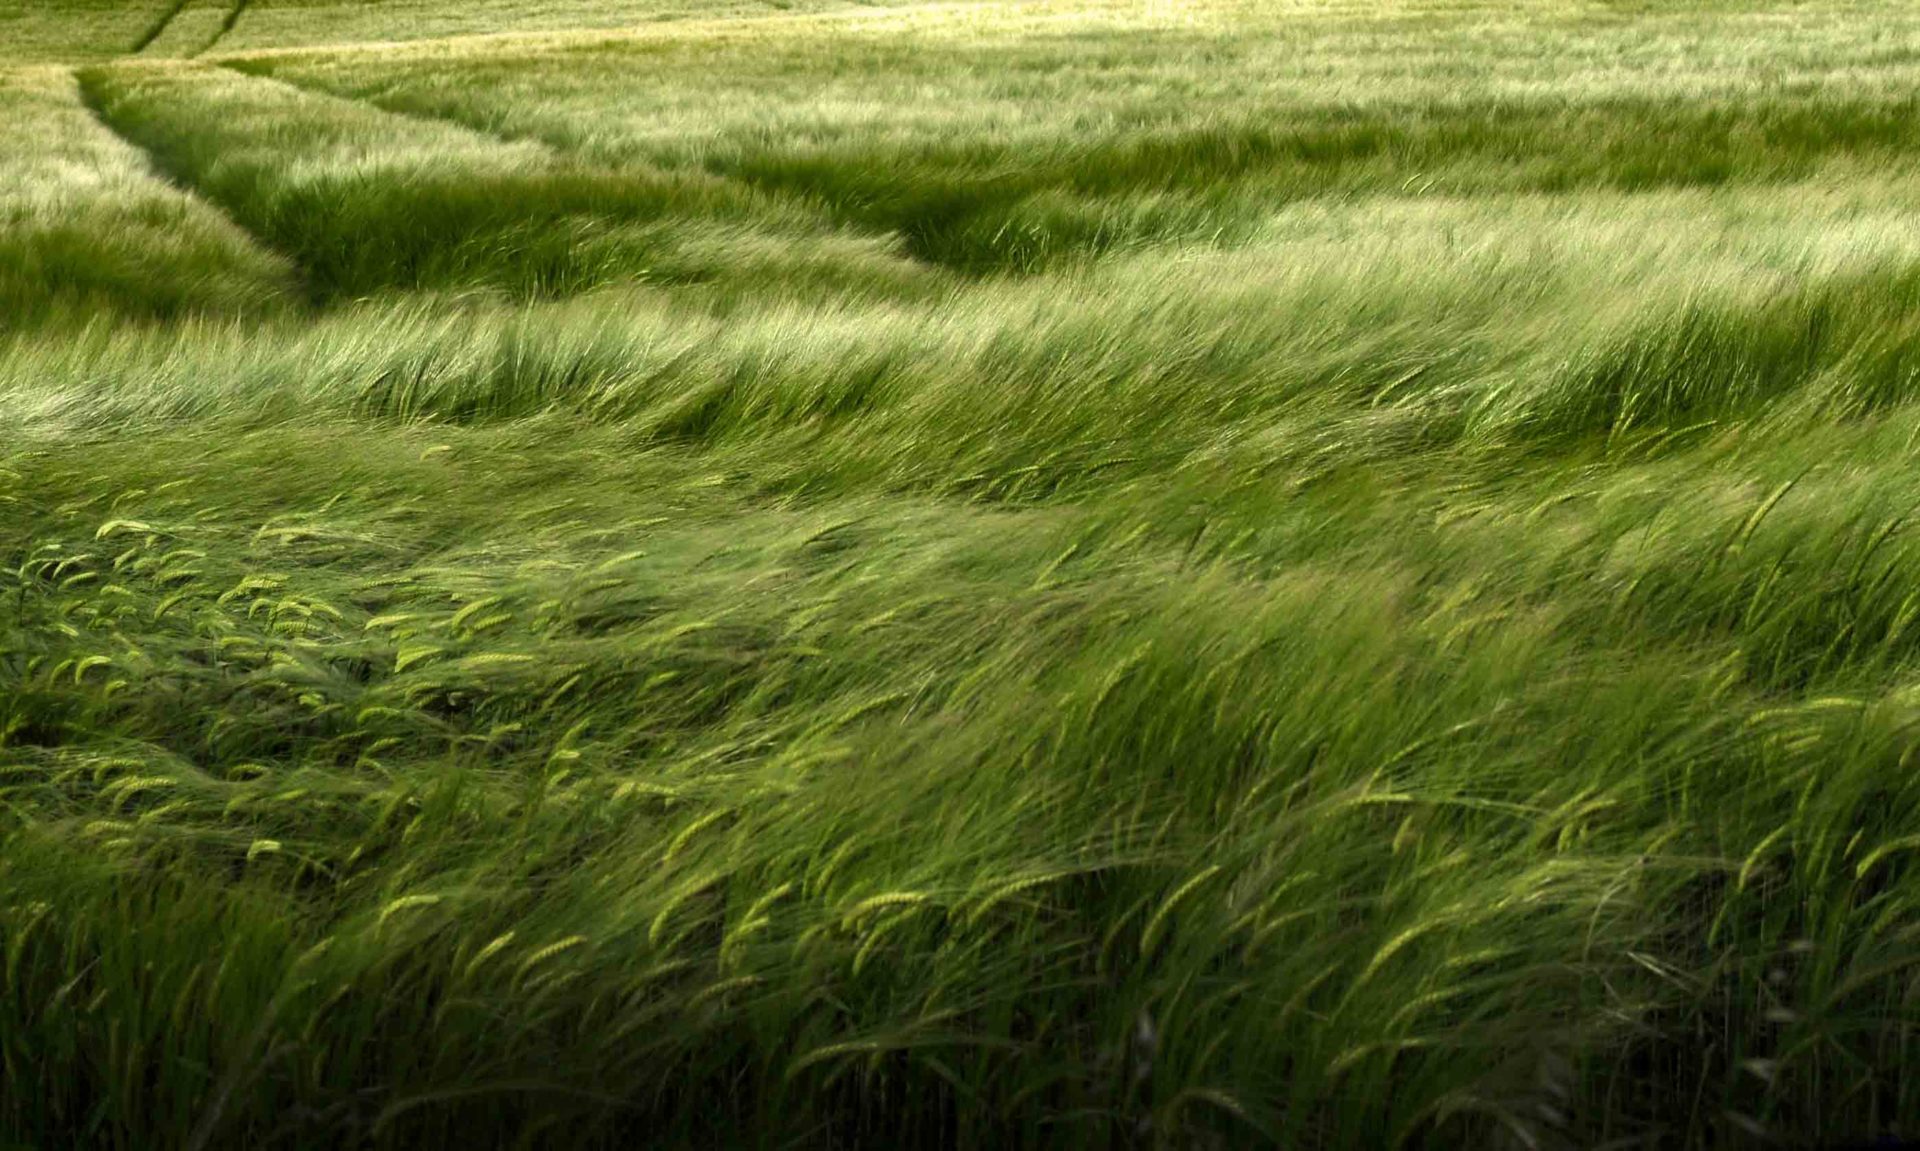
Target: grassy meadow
1052,573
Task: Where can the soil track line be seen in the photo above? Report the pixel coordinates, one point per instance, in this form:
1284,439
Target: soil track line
234,13
154,31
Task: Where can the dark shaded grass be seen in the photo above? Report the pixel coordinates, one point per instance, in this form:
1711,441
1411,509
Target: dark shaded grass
979,206
69,275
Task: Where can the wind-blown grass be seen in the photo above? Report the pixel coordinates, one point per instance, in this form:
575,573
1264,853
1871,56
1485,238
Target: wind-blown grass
363,200
1312,657
1406,338
988,143
86,227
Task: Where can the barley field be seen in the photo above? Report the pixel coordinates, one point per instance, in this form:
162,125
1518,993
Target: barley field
959,573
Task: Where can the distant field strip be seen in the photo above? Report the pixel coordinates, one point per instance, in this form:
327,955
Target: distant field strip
280,23
86,227
194,28
1011,155
65,31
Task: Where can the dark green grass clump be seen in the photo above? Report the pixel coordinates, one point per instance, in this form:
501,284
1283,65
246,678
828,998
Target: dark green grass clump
559,824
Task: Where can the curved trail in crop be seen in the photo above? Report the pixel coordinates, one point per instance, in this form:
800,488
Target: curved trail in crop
87,89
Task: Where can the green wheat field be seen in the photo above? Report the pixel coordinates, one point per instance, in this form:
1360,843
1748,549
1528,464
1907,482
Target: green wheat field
959,573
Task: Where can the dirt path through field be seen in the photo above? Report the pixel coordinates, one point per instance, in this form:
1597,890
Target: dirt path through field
159,27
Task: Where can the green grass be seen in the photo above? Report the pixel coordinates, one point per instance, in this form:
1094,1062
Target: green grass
1005,574
285,23
365,201
1002,146
88,230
